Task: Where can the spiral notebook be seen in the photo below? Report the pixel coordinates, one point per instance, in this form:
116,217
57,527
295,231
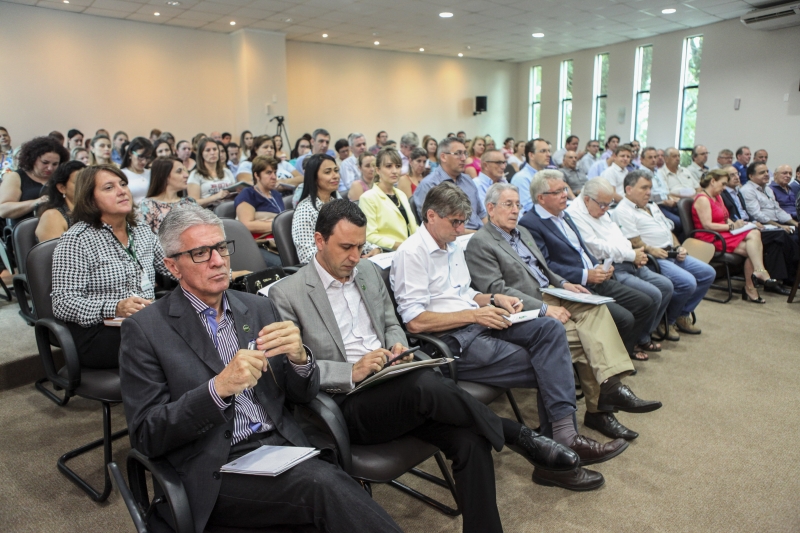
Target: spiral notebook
269,460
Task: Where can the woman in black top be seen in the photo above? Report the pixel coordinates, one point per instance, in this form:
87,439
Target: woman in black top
60,191
21,192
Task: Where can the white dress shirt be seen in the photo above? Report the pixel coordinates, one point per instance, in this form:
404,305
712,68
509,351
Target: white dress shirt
426,278
602,235
558,157
680,183
348,173
585,163
660,191
762,205
695,171
571,236
615,175
655,230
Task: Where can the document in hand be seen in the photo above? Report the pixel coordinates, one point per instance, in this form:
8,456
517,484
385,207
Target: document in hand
746,227
395,370
269,460
524,316
383,260
238,187
115,322
581,297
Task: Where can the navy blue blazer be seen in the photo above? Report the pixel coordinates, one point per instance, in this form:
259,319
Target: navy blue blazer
561,257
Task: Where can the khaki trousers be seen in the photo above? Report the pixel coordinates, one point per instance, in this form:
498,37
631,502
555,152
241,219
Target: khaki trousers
595,344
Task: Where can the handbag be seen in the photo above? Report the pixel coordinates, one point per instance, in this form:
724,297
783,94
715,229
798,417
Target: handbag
256,281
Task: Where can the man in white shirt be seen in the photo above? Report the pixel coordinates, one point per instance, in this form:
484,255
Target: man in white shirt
645,225
537,155
605,241
698,166
348,170
615,174
660,192
408,142
589,157
681,184
724,158
431,283
570,146
576,178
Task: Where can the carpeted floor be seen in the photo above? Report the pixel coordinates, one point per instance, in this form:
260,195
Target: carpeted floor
721,456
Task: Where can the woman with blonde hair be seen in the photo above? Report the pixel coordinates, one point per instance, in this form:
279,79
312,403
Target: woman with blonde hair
474,153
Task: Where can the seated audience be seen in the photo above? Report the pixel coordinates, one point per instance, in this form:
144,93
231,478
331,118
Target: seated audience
571,145
589,158
57,135
611,146
760,200
138,154
408,143
698,167
162,148
183,151
508,148
416,172
301,147
280,154
681,183
354,332
784,195
660,194
431,147
635,162
22,192
537,157
168,184
155,133
104,266
349,169
183,366
452,156
74,139
431,284
342,149
209,181
645,225
245,144
615,174
473,165
82,155
575,177
366,177
389,218
60,191
380,140
565,251
517,159
741,163
490,145
599,166
493,166
503,258
604,240
262,146
257,206
709,212
167,136
100,146
320,140
232,151
320,186
120,138
724,159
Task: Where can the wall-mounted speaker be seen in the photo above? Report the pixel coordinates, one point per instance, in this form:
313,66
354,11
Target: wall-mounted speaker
480,104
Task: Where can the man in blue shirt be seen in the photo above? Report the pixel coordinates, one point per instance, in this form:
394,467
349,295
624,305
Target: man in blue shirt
742,160
453,158
319,145
493,166
537,157
783,193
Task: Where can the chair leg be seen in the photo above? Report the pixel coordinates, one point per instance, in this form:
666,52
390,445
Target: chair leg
106,441
515,407
447,483
727,287
794,287
50,394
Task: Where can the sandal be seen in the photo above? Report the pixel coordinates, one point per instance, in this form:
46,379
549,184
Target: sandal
638,355
649,347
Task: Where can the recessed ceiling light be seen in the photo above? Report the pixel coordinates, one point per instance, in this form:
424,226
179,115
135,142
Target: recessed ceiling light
375,34
324,35
538,35
66,1
460,54
376,43
173,3
157,14
669,11
233,23
288,20
446,15
421,49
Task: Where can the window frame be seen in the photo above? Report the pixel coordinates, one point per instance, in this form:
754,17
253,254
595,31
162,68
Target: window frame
534,126
638,92
685,87
598,95
564,85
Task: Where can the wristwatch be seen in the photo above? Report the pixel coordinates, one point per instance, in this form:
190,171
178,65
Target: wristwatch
491,300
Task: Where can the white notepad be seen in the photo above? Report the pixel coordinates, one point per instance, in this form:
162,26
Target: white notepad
581,297
524,316
269,460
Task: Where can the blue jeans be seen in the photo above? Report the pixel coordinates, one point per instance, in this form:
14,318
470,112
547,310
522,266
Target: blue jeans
656,286
691,279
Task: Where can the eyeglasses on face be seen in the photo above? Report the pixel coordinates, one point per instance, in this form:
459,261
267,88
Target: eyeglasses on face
201,254
558,192
456,222
460,153
601,205
509,204
502,162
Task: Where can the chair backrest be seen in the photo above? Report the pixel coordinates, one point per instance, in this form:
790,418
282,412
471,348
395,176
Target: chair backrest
413,205
246,255
685,213
282,231
39,270
24,237
226,210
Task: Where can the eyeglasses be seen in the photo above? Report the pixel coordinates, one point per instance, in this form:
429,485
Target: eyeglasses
456,222
559,191
601,205
503,162
460,153
509,204
201,254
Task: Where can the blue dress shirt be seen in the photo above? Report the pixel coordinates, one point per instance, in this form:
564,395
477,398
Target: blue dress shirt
786,199
483,182
742,172
465,183
522,180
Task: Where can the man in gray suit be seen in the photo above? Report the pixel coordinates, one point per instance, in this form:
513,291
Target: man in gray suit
502,257
346,317
196,392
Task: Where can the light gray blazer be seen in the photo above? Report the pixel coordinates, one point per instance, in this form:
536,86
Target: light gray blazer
302,299
495,267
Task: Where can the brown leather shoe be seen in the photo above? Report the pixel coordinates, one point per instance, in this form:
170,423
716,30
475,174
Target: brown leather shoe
684,324
578,479
590,451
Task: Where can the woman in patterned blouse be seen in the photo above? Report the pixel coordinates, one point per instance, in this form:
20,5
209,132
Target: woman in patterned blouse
168,179
104,265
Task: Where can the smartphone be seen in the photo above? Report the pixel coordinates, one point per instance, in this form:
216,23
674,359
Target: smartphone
400,356
672,254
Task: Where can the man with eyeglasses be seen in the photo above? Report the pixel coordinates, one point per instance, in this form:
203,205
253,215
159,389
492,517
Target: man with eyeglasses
698,165
452,156
205,373
567,255
571,145
537,157
493,167
503,258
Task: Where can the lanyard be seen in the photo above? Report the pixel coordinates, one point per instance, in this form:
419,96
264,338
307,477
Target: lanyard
131,248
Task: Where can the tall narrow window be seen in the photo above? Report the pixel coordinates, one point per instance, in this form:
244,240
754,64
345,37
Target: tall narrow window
600,93
565,102
641,90
535,107
690,83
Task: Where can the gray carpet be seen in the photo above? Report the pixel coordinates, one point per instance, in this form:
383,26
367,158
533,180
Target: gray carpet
721,456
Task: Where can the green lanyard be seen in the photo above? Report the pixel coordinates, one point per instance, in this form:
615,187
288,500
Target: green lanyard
131,248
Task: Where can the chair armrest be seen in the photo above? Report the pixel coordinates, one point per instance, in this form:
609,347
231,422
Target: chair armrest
167,478
653,263
715,234
44,329
441,347
292,269
326,413
21,291
127,497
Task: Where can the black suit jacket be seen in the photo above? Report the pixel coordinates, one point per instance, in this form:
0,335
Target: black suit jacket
166,361
561,257
733,211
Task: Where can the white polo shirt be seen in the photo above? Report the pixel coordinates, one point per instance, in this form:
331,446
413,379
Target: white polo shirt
615,175
602,235
655,230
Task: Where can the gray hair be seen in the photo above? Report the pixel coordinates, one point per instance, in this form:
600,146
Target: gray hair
179,220
446,199
634,176
444,146
409,139
353,137
650,149
671,150
541,182
496,191
595,186
487,153
320,131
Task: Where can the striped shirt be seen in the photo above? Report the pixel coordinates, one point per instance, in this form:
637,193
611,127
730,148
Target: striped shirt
250,417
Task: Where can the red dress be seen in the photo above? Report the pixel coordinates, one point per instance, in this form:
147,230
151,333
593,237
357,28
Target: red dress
719,215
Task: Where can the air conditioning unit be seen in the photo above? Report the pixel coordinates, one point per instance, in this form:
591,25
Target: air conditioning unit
773,18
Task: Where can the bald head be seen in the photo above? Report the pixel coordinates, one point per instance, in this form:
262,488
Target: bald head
783,175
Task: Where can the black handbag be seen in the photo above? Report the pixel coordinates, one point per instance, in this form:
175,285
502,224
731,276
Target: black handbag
256,281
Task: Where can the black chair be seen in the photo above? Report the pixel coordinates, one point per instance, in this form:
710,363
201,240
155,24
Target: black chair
226,210
98,385
246,255
5,264
24,238
413,207
721,259
282,231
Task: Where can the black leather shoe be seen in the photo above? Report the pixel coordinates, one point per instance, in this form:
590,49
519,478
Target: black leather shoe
778,289
623,399
591,452
544,453
578,479
608,425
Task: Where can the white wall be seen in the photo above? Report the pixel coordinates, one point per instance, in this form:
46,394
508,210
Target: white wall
758,67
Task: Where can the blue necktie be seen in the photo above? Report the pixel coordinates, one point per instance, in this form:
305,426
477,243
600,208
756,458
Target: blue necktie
211,318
